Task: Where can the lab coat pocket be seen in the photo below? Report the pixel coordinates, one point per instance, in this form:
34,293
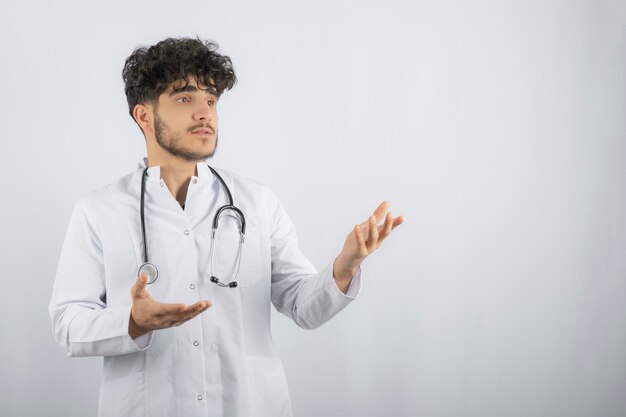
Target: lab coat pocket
226,254
269,395
123,396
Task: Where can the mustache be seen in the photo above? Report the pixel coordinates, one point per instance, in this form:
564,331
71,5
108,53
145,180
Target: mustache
202,126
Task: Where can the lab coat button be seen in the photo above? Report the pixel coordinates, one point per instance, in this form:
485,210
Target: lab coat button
195,180
195,343
186,232
192,286
199,397
162,184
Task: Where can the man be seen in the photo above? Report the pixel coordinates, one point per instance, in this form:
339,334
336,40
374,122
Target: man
158,359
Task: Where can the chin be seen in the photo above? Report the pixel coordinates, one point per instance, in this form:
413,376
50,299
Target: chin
208,153
207,148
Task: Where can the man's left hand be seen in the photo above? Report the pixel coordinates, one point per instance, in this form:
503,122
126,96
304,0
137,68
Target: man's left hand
364,239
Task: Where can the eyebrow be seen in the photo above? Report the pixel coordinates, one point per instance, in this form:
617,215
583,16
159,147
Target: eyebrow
193,89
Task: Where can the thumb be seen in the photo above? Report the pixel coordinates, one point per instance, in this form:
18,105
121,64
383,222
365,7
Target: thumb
140,285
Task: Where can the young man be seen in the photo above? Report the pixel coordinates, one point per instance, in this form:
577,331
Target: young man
147,254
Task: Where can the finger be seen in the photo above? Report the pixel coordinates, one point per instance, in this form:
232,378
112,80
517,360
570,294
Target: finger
189,313
203,304
197,308
373,234
380,211
191,316
386,227
192,310
169,311
204,307
398,221
362,248
140,285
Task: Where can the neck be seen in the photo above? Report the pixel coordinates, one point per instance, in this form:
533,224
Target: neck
175,172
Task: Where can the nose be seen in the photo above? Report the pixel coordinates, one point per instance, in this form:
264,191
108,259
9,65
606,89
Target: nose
204,112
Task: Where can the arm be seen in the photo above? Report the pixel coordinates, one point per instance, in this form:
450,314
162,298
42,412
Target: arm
82,323
301,293
298,291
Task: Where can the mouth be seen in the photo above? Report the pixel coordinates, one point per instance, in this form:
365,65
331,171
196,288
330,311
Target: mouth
202,132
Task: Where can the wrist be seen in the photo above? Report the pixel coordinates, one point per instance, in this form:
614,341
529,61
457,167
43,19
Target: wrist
135,330
343,271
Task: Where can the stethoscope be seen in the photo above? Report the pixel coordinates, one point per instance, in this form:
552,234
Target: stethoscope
153,272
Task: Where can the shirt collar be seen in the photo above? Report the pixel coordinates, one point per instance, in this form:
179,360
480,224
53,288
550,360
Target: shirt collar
154,173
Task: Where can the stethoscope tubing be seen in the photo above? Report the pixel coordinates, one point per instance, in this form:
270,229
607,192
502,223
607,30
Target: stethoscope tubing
152,270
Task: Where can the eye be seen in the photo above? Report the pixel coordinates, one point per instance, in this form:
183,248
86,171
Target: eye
211,102
179,99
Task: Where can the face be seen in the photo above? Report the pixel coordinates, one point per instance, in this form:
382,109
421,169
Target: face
185,120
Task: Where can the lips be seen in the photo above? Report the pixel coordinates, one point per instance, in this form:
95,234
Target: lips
202,131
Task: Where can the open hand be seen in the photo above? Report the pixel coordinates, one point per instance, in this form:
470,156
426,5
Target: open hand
147,314
364,239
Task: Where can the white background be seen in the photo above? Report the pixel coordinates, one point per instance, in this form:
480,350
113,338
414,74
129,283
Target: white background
496,127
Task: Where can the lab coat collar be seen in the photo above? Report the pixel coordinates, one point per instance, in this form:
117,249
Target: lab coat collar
154,173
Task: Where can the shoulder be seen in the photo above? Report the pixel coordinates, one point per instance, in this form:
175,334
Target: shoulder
240,179
103,199
242,183
249,190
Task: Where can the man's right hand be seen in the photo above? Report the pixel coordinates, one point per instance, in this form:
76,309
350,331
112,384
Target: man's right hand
147,314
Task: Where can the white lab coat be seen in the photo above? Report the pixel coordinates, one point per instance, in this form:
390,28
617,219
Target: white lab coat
221,363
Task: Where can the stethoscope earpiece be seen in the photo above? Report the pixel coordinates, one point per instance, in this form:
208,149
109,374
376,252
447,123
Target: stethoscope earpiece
232,284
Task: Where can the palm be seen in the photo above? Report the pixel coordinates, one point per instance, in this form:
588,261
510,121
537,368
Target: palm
368,236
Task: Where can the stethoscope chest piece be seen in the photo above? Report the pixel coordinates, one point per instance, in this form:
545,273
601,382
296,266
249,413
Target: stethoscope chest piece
151,271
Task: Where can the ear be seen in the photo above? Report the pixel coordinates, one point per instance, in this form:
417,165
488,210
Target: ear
143,114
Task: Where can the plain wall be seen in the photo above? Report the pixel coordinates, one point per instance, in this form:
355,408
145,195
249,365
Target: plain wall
496,127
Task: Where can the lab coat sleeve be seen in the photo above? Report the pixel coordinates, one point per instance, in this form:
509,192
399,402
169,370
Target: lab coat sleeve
308,297
82,323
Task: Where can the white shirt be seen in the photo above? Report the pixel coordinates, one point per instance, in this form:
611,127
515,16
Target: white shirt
222,362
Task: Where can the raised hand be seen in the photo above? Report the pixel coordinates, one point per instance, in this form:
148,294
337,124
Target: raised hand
364,239
147,314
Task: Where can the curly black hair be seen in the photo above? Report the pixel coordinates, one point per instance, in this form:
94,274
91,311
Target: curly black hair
149,71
